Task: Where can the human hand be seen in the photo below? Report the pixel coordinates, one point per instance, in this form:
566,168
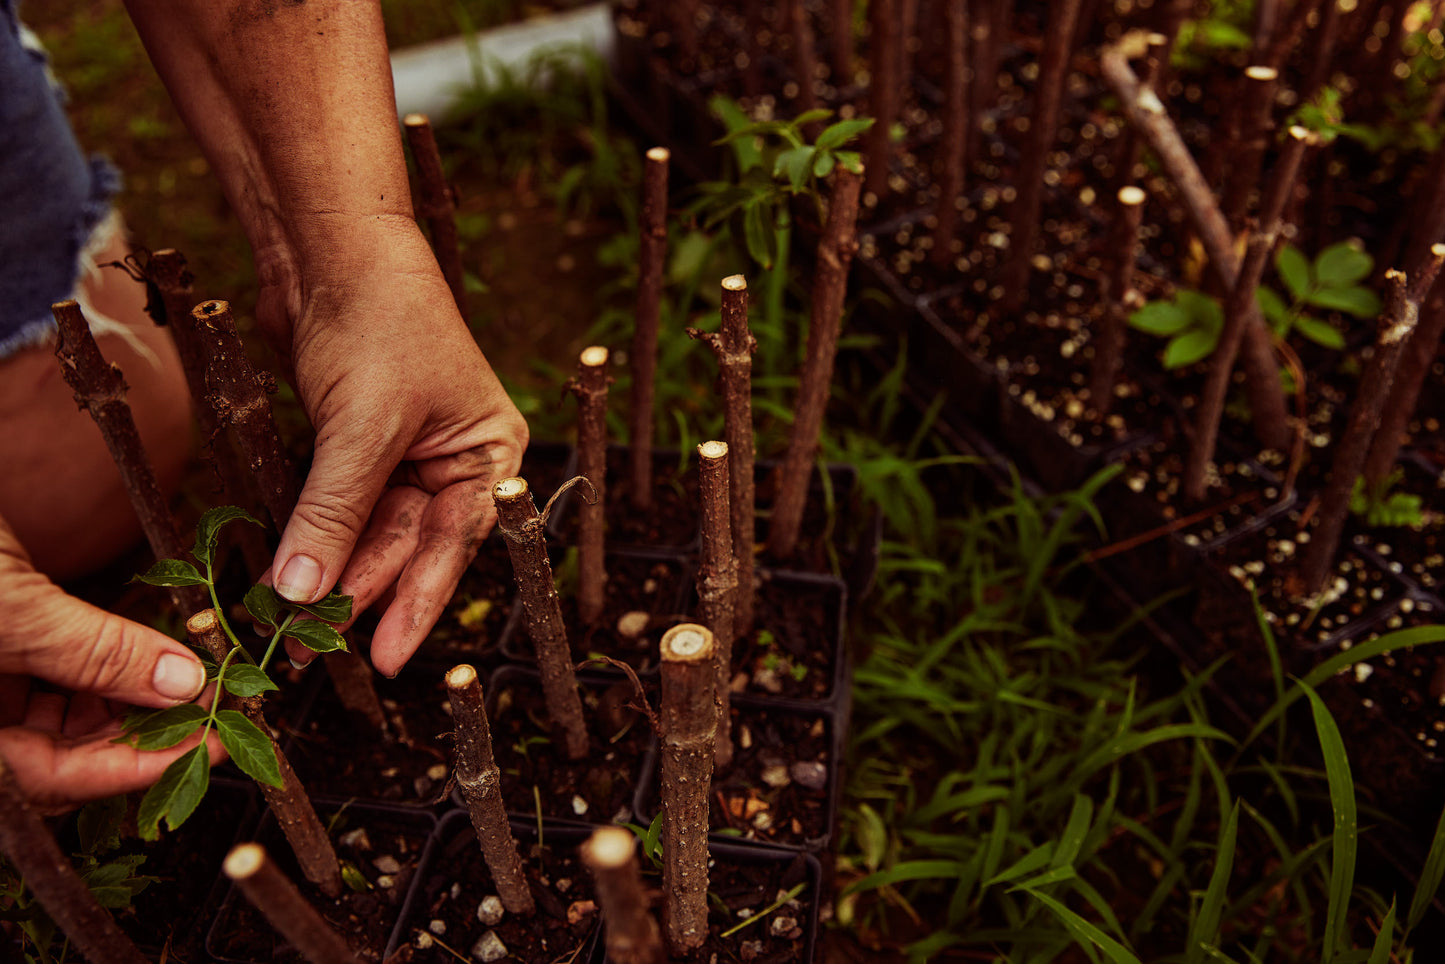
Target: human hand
412,428
58,743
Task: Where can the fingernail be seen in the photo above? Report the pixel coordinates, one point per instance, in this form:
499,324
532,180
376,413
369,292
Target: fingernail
295,664
178,677
300,579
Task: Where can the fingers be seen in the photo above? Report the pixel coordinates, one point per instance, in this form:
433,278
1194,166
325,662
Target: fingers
56,772
346,479
451,531
56,637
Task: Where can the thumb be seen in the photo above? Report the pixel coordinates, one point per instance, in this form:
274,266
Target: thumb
56,637
348,474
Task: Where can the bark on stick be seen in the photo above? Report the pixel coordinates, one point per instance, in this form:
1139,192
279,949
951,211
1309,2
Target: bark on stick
1043,127
1396,324
1409,377
688,734
1130,144
830,284
651,262
805,56
289,912
289,802
717,579
437,204
1109,343
520,525
481,782
590,387
734,346
238,393
1246,153
30,847
841,12
100,390
956,129
632,933
1146,114
1238,305
883,93
171,298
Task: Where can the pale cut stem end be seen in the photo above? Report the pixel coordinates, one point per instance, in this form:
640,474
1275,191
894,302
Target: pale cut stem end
713,449
510,488
416,120
687,643
461,676
204,621
1132,195
245,860
594,356
1261,73
659,154
609,848
735,282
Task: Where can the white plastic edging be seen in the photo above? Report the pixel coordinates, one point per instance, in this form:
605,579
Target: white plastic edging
428,76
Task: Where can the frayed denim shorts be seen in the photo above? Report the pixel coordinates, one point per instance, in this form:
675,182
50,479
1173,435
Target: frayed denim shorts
54,200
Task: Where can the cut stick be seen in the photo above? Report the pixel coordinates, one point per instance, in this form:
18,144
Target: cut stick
651,263
437,205
239,395
956,130
1247,147
632,933
590,387
805,58
717,580
1398,321
100,390
734,345
841,13
688,733
1240,301
171,296
830,285
1131,146
289,802
29,846
1043,128
883,93
520,525
1146,114
1409,377
1113,322
480,780
266,887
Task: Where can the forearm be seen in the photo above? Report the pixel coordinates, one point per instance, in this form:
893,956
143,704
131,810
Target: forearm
293,105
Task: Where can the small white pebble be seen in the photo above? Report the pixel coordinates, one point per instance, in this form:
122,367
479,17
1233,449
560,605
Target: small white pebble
437,771
385,882
437,927
490,911
1363,672
579,806
489,948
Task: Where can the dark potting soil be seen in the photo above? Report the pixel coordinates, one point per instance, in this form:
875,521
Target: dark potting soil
443,922
745,884
599,787
793,649
384,848
778,787
338,755
637,586
671,522
471,628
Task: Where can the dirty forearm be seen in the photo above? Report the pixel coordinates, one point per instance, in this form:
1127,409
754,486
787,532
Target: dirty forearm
292,102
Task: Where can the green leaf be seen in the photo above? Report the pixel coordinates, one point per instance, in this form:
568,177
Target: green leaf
316,636
1322,333
250,749
836,135
263,604
172,572
851,160
1194,345
793,165
98,824
335,608
1222,34
871,836
1274,309
1160,318
1204,929
1083,931
1342,802
1380,953
1356,301
175,794
1294,270
166,728
209,528
1341,265
1431,874
1074,832
243,679
1206,311
756,234
823,163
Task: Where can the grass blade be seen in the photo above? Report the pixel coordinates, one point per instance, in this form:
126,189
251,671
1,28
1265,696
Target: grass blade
1430,876
1342,801
1085,933
1380,953
1204,929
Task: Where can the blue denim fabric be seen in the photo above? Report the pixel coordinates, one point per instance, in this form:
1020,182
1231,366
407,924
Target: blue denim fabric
51,195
